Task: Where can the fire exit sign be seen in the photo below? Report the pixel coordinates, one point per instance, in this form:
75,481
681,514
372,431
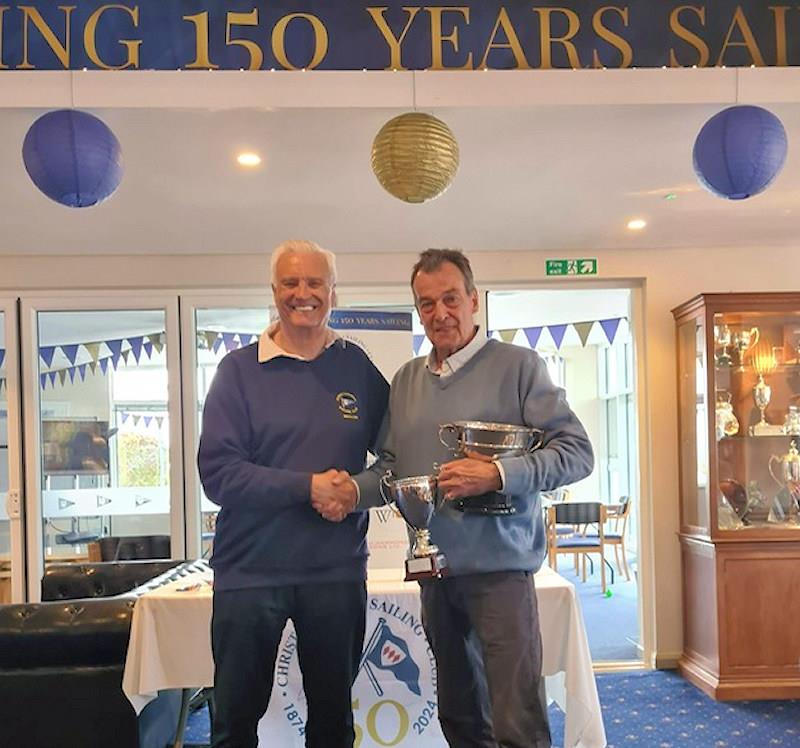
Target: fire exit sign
587,266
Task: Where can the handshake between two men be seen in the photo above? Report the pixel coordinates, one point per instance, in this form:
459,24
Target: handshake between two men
334,494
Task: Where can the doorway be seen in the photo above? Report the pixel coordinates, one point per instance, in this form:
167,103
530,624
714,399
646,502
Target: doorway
585,338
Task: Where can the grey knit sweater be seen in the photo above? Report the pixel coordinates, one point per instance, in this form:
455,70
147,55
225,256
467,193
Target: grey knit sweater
504,384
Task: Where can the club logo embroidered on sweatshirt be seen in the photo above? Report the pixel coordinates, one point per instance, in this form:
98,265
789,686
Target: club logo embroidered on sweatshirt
348,405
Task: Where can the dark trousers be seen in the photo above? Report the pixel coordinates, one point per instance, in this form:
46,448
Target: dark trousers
484,632
246,630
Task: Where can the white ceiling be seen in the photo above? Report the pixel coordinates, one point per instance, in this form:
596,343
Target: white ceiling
560,172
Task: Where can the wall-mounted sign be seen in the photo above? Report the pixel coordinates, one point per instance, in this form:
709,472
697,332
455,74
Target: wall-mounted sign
587,266
408,35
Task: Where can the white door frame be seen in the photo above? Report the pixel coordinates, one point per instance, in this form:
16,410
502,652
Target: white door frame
82,301
646,567
14,499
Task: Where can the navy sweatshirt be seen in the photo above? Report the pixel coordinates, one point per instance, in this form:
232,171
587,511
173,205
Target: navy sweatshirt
266,428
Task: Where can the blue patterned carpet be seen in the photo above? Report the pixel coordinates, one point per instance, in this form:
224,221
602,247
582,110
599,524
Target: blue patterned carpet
662,710
658,709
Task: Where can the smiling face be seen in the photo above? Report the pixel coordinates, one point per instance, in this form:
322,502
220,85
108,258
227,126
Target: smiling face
445,308
303,291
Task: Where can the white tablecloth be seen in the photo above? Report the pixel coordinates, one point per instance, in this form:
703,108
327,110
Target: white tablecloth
394,695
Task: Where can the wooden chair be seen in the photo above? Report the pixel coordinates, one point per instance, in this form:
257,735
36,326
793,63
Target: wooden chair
577,513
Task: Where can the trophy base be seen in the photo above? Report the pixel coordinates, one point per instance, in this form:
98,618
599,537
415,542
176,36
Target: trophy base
426,567
767,429
488,503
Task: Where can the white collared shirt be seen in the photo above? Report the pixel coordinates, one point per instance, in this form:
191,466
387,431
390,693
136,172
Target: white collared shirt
458,359
269,349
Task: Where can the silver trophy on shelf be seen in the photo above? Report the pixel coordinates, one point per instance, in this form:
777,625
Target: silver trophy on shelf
722,339
785,471
494,440
417,498
743,341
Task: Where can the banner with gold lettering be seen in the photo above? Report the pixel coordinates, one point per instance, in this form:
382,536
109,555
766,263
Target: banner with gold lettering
408,35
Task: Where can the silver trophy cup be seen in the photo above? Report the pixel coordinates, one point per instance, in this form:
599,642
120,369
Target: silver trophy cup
417,498
494,440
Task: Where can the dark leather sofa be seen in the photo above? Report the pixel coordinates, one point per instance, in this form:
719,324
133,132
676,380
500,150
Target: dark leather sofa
126,548
62,660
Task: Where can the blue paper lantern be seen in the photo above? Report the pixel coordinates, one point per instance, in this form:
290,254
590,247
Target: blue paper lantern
739,152
73,157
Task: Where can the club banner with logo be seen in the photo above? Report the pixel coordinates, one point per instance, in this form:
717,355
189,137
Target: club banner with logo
394,696
408,35
387,339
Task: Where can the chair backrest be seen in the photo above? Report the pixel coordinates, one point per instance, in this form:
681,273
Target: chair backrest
576,513
579,512
622,514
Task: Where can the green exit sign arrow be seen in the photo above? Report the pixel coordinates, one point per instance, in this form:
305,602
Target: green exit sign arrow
585,266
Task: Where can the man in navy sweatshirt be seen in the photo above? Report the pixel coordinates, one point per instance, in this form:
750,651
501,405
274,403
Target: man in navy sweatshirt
285,420
481,620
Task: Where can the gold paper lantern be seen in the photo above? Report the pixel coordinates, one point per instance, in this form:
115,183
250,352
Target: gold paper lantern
415,157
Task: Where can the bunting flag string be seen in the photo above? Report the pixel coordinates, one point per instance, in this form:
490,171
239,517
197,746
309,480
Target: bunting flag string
213,340
565,333
219,343
125,350
556,336
118,349
147,420
100,353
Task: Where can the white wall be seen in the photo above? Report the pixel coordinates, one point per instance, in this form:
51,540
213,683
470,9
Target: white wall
667,278
581,387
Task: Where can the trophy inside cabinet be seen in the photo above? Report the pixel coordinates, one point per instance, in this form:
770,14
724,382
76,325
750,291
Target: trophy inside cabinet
756,360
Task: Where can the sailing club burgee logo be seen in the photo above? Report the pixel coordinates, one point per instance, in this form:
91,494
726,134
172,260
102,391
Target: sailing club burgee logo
394,695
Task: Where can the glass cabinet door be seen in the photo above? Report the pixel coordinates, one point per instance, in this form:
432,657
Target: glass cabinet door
757,420
693,417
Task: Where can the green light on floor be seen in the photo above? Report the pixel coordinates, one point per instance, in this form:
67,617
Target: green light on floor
670,196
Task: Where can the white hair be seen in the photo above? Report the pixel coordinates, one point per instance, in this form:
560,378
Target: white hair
303,246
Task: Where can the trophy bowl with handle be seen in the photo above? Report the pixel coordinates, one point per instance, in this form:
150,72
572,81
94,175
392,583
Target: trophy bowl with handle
494,440
491,439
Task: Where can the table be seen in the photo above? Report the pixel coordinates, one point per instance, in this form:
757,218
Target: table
394,699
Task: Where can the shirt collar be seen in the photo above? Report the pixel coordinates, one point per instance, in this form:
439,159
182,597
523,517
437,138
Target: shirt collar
458,359
269,349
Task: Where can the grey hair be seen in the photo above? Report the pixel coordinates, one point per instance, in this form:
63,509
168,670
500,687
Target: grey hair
432,259
303,246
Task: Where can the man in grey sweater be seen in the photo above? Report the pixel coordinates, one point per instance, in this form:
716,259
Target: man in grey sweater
481,619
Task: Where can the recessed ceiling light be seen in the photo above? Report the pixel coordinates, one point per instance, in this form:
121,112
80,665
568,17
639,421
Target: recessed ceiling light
637,224
248,158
